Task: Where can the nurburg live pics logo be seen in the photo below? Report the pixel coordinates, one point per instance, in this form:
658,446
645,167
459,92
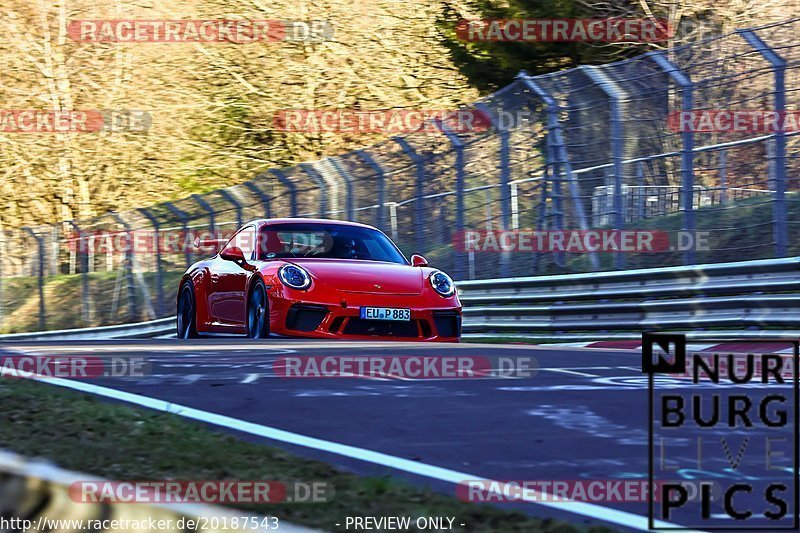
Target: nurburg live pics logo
734,424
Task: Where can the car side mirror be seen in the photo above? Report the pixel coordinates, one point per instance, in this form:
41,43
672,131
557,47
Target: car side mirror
418,261
232,253
235,254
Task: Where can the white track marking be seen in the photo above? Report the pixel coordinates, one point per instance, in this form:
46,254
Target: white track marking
567,371
590,510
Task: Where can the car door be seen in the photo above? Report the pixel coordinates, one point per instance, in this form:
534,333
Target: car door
229,281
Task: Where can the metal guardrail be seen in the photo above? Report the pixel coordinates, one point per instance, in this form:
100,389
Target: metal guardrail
138,330
33,489
742,299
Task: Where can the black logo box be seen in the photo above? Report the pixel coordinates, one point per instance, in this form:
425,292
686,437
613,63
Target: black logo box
676,345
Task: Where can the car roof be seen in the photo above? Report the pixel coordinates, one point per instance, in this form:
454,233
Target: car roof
275,221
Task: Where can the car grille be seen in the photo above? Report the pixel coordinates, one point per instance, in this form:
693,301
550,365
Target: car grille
305,317
448,323
382,328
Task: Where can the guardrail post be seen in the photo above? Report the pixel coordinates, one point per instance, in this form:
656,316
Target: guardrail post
81,252
184,220
381,185
290,186
505,176
458,147
419,207
262,197
159,269
686,85
314,174
39,275
349,201
236,205
557,155
779,158
133,311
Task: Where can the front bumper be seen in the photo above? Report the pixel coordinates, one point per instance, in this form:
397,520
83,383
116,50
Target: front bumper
339,318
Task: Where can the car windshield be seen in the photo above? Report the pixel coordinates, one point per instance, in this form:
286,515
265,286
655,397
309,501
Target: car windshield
329,241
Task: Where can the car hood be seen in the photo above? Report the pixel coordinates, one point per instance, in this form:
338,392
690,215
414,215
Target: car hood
371,277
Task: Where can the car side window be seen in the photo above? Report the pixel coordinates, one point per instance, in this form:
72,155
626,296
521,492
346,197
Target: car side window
246,240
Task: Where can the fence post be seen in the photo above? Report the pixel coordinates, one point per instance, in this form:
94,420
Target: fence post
3,254
505,176
236,205
419,207
81,252
262,197
558,152
779,160
514,205
292,190
381,179
458,146
686,85
723,175
349,200
541,222
40,275
504,166
184,220
212,220
314,174
159,269
393,219
133,311
615,96
641,195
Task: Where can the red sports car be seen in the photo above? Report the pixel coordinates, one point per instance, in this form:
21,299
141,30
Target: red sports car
317,278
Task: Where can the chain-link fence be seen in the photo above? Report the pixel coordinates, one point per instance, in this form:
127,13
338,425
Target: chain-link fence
621,146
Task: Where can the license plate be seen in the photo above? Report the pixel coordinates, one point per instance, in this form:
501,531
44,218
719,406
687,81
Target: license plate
385,313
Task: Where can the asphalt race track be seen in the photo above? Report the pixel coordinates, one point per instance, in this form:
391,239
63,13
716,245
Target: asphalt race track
582,415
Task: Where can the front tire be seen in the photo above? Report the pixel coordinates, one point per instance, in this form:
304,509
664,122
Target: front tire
187,316
258,312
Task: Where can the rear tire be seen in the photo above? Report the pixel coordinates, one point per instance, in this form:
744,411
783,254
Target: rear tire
186,323
258,312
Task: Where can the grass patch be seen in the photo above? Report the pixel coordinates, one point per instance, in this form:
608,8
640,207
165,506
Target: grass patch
80,432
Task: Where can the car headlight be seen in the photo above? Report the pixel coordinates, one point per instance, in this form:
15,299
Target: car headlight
295,277
443,284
